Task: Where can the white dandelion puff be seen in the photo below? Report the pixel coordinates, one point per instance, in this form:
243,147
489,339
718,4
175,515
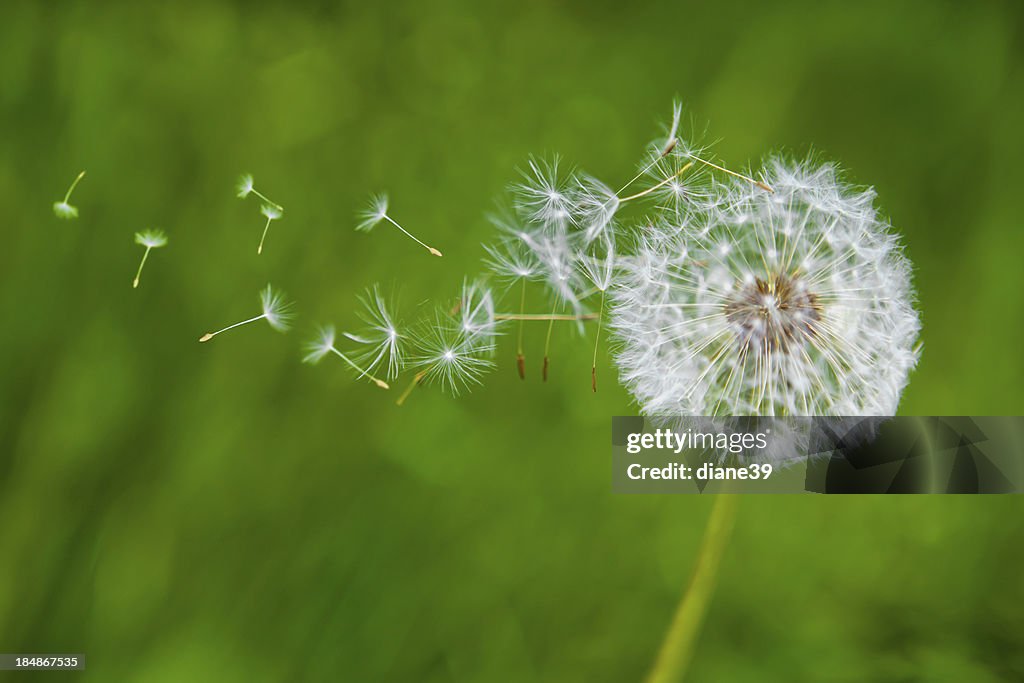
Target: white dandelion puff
277,311
64,209
511,261
792,303
377,212
476,316
323,344
595,205
150,239
450,358
557,256
245,187
598,267
543,195
382,343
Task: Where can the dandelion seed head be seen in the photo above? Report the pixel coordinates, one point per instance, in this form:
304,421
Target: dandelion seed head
277,311
151,239
792,303
271,211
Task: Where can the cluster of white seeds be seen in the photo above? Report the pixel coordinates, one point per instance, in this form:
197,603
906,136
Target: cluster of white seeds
780,293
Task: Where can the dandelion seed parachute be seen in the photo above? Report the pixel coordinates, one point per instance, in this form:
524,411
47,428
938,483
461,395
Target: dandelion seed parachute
796,302
323,344
150,239
64,209
450,356
382,345
277,311
377,211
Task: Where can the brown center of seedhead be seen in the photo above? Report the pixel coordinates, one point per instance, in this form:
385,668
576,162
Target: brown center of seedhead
773,314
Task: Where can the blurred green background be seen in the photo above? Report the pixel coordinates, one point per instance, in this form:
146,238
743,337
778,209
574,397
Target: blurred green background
221,512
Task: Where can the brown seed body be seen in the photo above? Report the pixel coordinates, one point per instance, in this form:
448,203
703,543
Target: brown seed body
773,314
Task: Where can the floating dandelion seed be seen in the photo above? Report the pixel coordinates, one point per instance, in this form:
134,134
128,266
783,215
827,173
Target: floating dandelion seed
476,316
245,187
451,357
272,212
150,239
595,203
792,303
324,344
599,270
377,212
513,262
383,344
543,196
276,311
63,209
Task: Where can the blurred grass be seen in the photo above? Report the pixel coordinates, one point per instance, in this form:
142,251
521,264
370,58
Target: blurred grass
221,512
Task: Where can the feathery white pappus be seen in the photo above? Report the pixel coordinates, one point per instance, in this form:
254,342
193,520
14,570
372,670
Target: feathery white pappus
381,342
457,352
792,302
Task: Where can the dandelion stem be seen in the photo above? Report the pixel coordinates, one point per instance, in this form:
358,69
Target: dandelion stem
547,343
210,335
259,249
266,199
733,173
520,358
415,383
522,312
639,175
552,317
651,189
597,340
73,185
433,251
362,373
138,273
677,648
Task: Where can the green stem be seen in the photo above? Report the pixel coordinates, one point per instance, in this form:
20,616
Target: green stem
678,646
545,316
522,311
267,200
72,188
138,274
597,340
415,383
